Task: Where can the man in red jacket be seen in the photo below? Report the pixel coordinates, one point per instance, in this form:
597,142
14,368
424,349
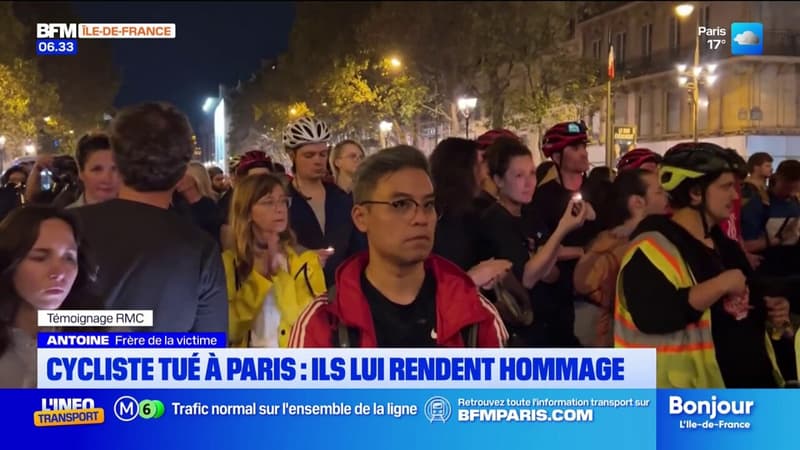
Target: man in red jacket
398,294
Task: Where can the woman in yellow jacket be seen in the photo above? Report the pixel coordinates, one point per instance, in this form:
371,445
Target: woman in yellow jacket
270,279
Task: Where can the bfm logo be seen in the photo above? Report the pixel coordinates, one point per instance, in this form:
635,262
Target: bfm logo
56,30
68,411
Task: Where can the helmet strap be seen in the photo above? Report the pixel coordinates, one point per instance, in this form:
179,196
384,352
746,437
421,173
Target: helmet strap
701,210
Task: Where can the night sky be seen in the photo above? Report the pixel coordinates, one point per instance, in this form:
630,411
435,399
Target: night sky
216,43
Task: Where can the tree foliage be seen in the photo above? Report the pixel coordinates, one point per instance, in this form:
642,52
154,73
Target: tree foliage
513,56
554,82
88,81
30,111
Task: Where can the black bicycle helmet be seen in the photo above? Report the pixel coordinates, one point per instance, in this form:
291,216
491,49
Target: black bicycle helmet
695,160
692,160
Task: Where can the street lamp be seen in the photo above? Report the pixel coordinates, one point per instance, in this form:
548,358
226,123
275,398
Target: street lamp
692,79
209,103
697,75
466,106
395,62
385,127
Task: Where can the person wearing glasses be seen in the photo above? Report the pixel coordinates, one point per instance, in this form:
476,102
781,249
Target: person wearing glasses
320,211
344,160
398,294
270,279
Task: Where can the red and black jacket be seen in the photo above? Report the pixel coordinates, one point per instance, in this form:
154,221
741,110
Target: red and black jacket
458,306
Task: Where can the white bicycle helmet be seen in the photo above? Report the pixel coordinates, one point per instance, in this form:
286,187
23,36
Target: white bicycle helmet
306,130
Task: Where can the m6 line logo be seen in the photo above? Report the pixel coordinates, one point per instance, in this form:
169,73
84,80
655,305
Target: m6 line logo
127,408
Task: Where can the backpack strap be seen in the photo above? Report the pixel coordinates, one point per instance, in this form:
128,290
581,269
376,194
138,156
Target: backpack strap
342,336
350,337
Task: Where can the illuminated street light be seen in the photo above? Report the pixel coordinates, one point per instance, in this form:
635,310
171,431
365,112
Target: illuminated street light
209,103
684,10
466,105
30,149
395,62
293,112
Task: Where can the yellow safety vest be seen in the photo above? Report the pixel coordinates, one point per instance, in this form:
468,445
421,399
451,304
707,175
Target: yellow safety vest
684,358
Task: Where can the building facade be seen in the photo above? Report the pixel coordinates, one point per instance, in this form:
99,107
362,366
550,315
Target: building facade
754,104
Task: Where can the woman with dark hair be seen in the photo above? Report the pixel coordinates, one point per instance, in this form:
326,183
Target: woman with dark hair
42,267
532,253
455,167
97,170
634,195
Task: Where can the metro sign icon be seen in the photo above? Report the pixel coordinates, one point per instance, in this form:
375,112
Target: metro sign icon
56,30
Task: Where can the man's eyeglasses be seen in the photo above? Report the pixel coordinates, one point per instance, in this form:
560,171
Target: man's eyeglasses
406,208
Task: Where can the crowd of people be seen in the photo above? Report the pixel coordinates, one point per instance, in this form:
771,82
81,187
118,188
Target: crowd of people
694,252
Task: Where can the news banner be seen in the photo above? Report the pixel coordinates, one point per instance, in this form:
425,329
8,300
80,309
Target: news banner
136,390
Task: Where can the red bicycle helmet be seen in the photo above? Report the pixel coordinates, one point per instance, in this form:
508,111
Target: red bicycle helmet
562,135
251,160
488,138
635,158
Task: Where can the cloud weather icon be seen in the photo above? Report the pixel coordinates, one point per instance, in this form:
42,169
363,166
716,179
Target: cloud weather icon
746,38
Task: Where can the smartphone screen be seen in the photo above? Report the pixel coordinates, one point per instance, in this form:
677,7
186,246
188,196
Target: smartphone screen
46,180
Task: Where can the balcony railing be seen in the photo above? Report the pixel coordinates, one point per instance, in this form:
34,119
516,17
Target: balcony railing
782,43
776,43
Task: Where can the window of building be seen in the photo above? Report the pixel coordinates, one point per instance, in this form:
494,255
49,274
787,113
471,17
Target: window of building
674,33
647,40
621,109
619,47
644,111
596,49
673,105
